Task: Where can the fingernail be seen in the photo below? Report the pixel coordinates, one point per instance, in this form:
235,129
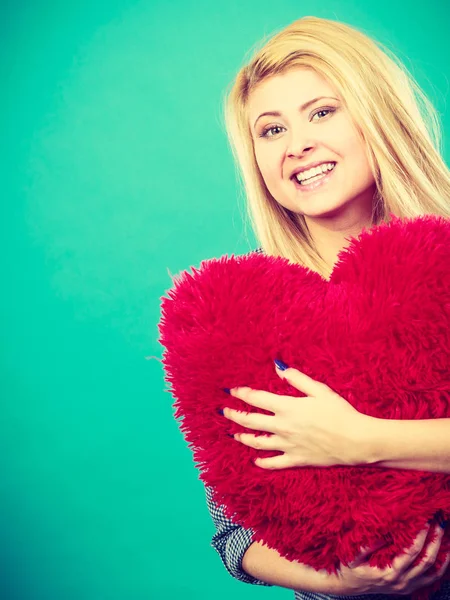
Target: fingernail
220,411
229,435
226,390
443,524
281,365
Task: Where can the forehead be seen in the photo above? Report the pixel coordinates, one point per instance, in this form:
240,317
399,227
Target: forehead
288,90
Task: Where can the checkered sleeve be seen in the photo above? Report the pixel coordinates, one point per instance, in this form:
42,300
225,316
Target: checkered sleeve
231,542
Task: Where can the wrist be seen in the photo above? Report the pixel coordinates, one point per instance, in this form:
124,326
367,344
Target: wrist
337,585
365,441
345,583
326,583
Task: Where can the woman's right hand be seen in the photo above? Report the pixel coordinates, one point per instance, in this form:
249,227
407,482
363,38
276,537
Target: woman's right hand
358,577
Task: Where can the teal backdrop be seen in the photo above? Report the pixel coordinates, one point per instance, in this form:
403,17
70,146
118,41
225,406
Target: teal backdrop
116,172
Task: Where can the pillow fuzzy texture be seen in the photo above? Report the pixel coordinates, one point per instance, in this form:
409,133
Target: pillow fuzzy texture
378,333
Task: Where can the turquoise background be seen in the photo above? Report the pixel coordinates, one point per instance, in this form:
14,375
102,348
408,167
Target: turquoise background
116,171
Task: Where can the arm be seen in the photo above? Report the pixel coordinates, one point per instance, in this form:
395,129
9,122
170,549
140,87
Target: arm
324,430
267,564
422,445
230,541
252,562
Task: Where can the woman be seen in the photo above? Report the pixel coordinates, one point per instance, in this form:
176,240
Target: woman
329,136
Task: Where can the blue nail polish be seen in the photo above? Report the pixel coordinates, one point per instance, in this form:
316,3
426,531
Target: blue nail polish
229,435
281,365
220,411
443,524
226,390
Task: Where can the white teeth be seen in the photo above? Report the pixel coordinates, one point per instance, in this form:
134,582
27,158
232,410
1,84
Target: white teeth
312,179
315,171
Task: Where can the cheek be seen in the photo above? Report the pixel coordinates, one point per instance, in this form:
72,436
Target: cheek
345,137
268,161
354,151
362,162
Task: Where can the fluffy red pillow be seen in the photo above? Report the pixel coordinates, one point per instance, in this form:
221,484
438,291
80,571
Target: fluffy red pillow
378,333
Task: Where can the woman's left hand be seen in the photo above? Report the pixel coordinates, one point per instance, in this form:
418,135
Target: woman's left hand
321,429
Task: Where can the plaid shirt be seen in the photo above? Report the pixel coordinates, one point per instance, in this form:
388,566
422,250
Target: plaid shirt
231,541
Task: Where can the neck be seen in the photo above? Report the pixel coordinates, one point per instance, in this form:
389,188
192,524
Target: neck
332,234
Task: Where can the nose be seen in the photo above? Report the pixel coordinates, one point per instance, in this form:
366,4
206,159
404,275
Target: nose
298,144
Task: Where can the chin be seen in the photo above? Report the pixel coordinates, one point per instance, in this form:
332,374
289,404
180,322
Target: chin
322,210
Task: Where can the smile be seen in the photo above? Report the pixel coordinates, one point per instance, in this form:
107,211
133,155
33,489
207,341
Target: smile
315,181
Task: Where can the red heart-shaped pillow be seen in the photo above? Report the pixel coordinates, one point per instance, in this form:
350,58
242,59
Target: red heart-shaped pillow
378,333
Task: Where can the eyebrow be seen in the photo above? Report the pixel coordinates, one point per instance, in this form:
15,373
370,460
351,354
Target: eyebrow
274,113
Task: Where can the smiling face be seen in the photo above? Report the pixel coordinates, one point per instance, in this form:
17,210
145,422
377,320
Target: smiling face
298,133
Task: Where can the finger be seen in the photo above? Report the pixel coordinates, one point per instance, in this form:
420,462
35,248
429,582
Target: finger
365,552
260,442
255,421
440,573
403,561
444,567
273,463
429,558
258,398
301,381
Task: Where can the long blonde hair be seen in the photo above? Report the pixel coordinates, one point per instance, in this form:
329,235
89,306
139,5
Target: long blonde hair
398,123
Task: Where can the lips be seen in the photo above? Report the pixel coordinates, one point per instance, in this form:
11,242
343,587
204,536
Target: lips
310,166
321,173
311,185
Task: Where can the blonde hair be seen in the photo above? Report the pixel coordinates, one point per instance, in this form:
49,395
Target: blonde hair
397,122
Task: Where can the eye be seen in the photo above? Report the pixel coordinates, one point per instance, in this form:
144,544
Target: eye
273,130
265,132
324,110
